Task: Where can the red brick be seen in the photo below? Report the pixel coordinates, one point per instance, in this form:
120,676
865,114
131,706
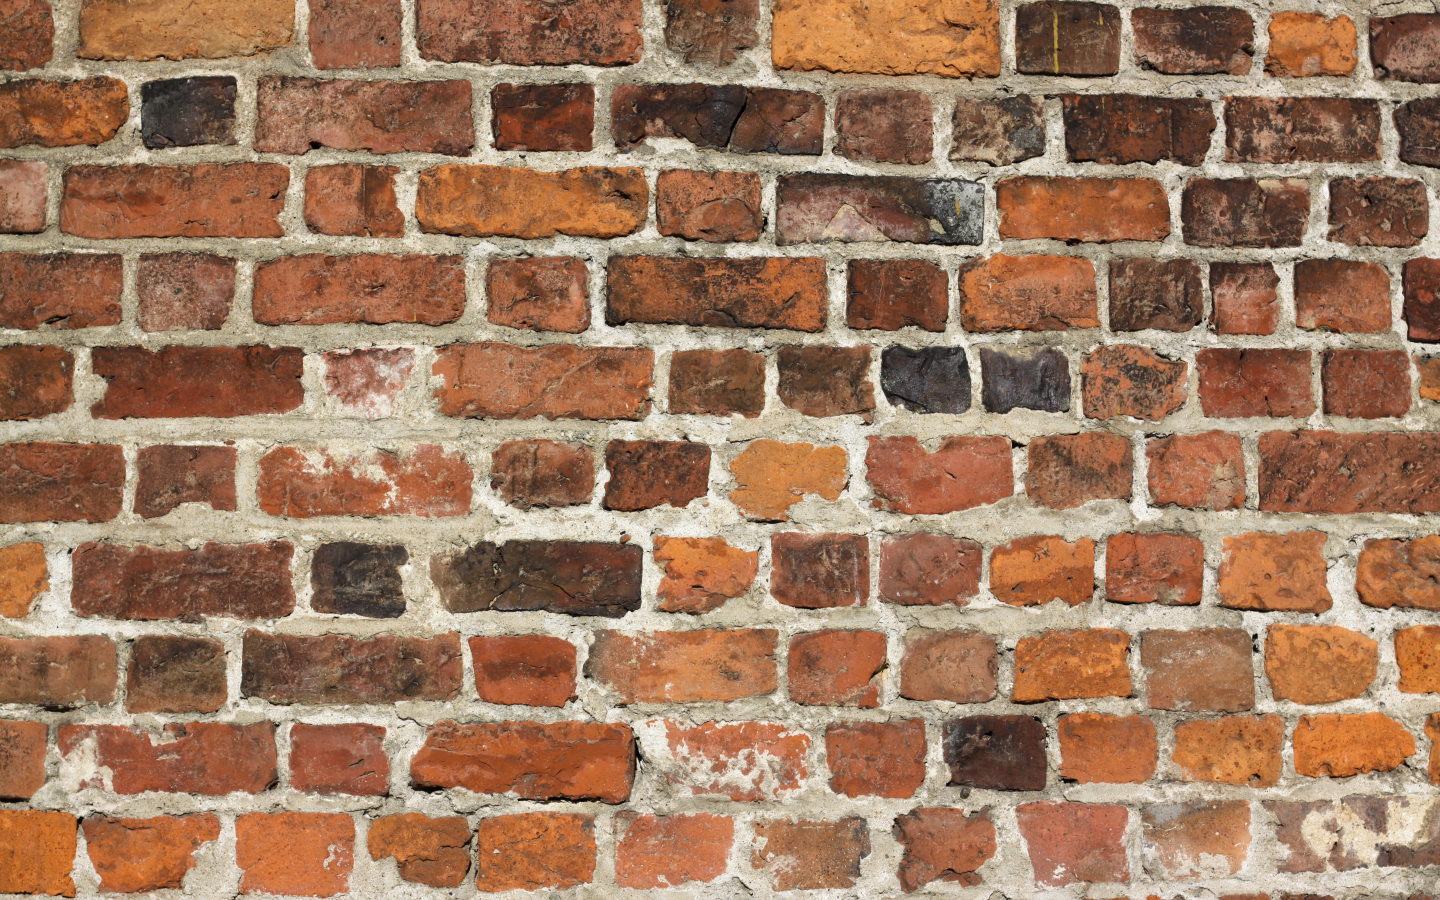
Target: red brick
177,382
1196,839
542,117
1240,383
1120,380
890,294
1071,843
943,845
668,851
62,113
684,666
61,290
588,32
1031,571
1240,750
1314,664
1245,297
505,201
1346,745
240,200
1417,653
1070,665
539,294
818,571
339,670
1274,572
1205,40
534,761
339,759
576,578
1367,384
823,208
24,576
1405,574
1301,129
533,851
929,570
824,381
1154,568
353,34
1197,471
27,33
22,759
35,382
184,291
876,759
1340,295
22,196
1061,38
183,29
709,206
962,473
837,668
434,852
353,200
42,482
702,573
39,850
807,855
1116,129
717,383
176,674
526,670
1422,299
296,114
772,292
1378,212
553,381
1429,377
1244,212
1070,470
1403,47
1099,748
1206,669
1321,471
422,480
310,854
780,121
958,666
711,32
207,758
647,474
540,473
248,581
1082,209
375,289
885,126
740,761
169,476
133,855
368,381
57,672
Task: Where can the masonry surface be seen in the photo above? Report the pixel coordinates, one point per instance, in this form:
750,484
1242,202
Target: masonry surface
720,449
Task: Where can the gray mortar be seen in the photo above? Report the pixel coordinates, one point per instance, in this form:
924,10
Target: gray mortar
320,423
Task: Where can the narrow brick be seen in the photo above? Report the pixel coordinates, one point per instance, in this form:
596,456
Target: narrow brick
28,32
1339,746
22,759
339,759
739,761
505,201
540,473
876,759
303,853
553,382
1398,573
22,196
824,381
1422,299
420,480
1313,664
958,666
39,848
240,200
1367,384
925,379
177,382
929,570
820,570
1000,753
535,761
1418,125
353,200
1402,47
702,573
1196,839
773,292
1106,749
1240,750
578,578
1033,571
367,382
538,294
1150,293
1245,297
1082,209
1018,379
771,477
355,34
433,852
1072,843
1067,38
543,117
775,120
943,845
24,576
837,668
668,851
351,578
1154,568
188,112
806,854
35,382
338,670
184,291
1204,669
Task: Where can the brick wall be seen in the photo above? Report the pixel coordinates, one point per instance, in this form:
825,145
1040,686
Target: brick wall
973,448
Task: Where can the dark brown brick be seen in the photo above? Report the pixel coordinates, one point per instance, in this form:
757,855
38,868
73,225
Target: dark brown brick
1001,132
358,579
297,115
61,290
885,126
813,571
339,670
45,482
353,200
1378,212
184,291
926,379
890,294
197,381
1366,384
704,115
530,32
57,672
709,206
1403,47
1002,753
1237,383
1244,297
826,381
539,117
541,473
827,208
539,294
577,578
780,121
1418,123
1153,293
175,674
1200,40
647,474
35,382
1117,129
1036,379
1243,212
186,112
711,32
171,475
717,383
1301,129
1064,38
771,292
1070,470
238,581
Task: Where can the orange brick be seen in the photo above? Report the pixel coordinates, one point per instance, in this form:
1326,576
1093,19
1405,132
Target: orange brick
426,851
1095,747
310,854
771,477
702,573
1234,750
526,669
38,849
1339,746
837,668
668,851
1321,663
1070,665
876,759
533,851
741,761
1082,209
684,666
511,201
1417,652
1031,571
1275,572
1305,44
132,855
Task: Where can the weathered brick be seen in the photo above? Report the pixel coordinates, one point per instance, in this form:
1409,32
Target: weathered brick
667,851
509,201
24,576
179,29
175,674
1063,38
1245,297
207,758
1196,839
1238,383
62,113
1418,123
367,381
1070,470
1028,293
197,381
1429,377
1244,212
541,473
1403,47
353,200
1197,471
1366,384
1072,843
39,850
1032,571
1422,299
421,480
538,294
1082,209
960,40
22,759
533,851
169,476
837,668
241,200
311,854
1274,572
876,759
578,578
434,852
1107,749
524,670
647,474
925,379
350,578
1036,379
684,666
542,117
1378,212
703,114
1116,129
188,112
740,761
1301,129
1314,664
884,126
823,209
1154,568
717,383
1206,669
534,761
57,672
958,666
1001,131
43,482
1002,753
355,34
184,291
339,759
1349,473
808,854
27,32
1432,731
771,477
962,473
929,570
22,196
709,206
1121,380
1152,293
133,855
702,573
711,32
1351,833
530,32
774,292
891,294
1241,750
780,121
61,290
1397,573
1339,746
1417,653
554,381
1342,295
943,845
1306,44
35,382
339,670
1069,665
820,571
824,381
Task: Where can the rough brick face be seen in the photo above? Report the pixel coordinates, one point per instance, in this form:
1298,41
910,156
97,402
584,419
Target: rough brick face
22,196
708,206
717,293
962,473
336,670
1124,128
943,845
207,758
1154,568
428,851
564,760
1274,572
808,855
503,201
884,126
825,34
1062,38
1036,570
1313,664
35,382
310,854
542,473
1082,209
1074,842
1095,747
172,29
1244,296
552,382
668,851
241,200
647,474
60,482
529,670
183,291
1239,383
1207,669
1244,212
1064,665
1070,470
353,200
179,382
1005,753
1199,471
543,117
351,34
1206,40
837,668
132,855
58,672
520,32
929,569
535,851
717,383
29,31
22,759
62,113
684,666
176,675
581,578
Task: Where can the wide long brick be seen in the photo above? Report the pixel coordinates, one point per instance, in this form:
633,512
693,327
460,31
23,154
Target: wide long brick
1327,472
510,201
373,289
535,761
59,290
423,480
62,113
530,32
240,200
502,381
578,578
51,482
240,581
183,29
206,758
297,115
784,292
177,382
337,670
